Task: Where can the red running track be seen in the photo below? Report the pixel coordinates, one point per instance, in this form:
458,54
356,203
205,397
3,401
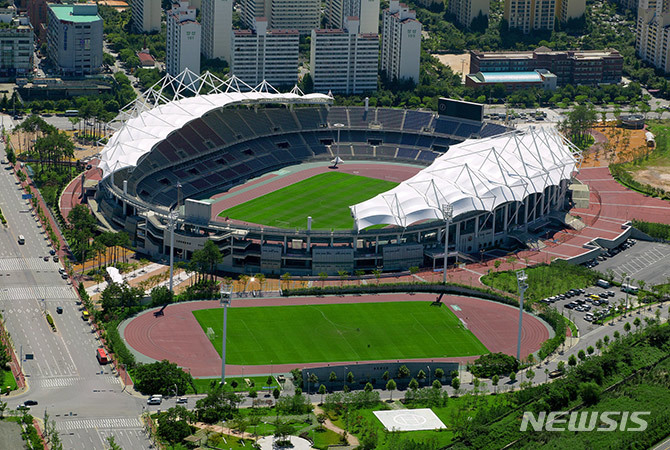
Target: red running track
178,337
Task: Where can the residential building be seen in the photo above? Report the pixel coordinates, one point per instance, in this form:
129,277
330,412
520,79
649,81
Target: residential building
37,12
652,36
629,4
16,51
530,15
367,12
261,54
513,80
467,10
587,67
74,38
217,21
182,49
570,9
343,60
301,15
401,42
146,16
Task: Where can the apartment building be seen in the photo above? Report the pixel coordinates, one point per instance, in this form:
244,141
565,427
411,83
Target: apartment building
467,10
401,42
183,40
301,15
344,60
262,54
217,23
367,12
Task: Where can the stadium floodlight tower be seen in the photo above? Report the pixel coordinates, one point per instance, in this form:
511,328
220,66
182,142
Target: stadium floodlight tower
172,223
338,126
521,278
447,215
226,293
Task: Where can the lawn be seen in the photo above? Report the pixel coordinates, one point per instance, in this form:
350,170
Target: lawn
325,197
8,381
340,332
204,385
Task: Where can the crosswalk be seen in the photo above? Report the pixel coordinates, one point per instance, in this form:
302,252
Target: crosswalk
102,423
59,382
17,264
39,292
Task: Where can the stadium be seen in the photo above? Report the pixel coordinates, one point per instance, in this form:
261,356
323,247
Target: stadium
370,187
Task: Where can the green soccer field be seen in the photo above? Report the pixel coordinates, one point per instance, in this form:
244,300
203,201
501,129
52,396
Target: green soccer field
326,197
340,332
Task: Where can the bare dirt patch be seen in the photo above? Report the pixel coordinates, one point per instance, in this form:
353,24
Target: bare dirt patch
614,145
656,176
458,63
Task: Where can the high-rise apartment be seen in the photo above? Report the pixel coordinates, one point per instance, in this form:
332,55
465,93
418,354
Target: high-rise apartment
467,10
401,42
217,23
301,15
344,60
146,16
367,12
182,49
261,54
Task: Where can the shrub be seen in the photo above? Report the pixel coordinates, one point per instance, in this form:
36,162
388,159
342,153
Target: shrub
494,364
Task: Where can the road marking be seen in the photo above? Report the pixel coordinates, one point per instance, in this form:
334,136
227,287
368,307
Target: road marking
104,423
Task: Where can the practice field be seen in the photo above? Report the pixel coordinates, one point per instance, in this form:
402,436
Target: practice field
339,332
326,197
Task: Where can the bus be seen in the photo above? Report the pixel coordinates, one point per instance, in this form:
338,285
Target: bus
629,288
21,239
101,354
72,113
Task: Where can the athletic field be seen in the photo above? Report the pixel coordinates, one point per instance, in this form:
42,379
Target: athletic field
326,197
339,332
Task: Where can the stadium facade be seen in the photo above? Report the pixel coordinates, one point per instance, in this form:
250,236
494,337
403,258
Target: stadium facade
174,148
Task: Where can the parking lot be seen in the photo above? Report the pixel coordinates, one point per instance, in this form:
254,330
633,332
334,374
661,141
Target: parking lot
648,261
591,305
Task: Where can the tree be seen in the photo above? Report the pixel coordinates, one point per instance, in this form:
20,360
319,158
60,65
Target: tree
276,393
530,374
494,381
161,295
413,384
377,273
590,392
161,378
403,372
606,339
580,120
332,377
561,366
386,376
359,274
626,327
368,387
286,278
323,276
321,418
421,375
590,350
350,377
391,386
322,391
512,377
637,323
581,355
599,344
111,442
456,383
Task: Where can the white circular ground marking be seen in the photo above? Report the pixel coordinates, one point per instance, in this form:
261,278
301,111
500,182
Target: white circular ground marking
409,419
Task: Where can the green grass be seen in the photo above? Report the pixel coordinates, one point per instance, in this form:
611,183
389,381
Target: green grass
8,380
340,332
204,385
544,280
325,197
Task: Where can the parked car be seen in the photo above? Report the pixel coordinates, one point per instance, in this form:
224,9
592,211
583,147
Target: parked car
46,258
55,258
59,309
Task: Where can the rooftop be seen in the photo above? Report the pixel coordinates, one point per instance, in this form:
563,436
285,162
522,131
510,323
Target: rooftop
510,77
76,13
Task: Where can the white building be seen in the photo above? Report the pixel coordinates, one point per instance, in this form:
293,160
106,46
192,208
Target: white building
570,9
652,36
343,60
217,21
74,38
467,10
401,42
262,54
530,15
366,10
182,49
301,15
16,52
146,15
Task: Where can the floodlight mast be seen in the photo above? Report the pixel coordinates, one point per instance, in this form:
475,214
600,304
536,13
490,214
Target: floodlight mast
338,126
447,214
521,278
226,293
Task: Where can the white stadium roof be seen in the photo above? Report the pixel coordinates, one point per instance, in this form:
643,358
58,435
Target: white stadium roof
153,116
475,175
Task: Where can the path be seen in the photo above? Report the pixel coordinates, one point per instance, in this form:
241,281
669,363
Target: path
351,439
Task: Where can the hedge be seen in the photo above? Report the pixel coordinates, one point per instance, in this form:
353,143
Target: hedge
555,319
434,288
117,346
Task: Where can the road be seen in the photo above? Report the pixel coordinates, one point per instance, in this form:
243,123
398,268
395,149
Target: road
86,400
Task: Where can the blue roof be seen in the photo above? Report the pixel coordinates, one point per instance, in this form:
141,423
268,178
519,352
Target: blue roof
511,77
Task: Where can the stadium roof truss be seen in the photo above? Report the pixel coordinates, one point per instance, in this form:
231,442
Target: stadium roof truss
476,175
172,102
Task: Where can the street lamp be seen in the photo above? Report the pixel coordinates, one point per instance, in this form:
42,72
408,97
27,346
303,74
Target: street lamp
225,302
447,215
627,289
338,126
172,223
521,278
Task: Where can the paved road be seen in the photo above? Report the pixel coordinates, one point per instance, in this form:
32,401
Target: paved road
63,376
